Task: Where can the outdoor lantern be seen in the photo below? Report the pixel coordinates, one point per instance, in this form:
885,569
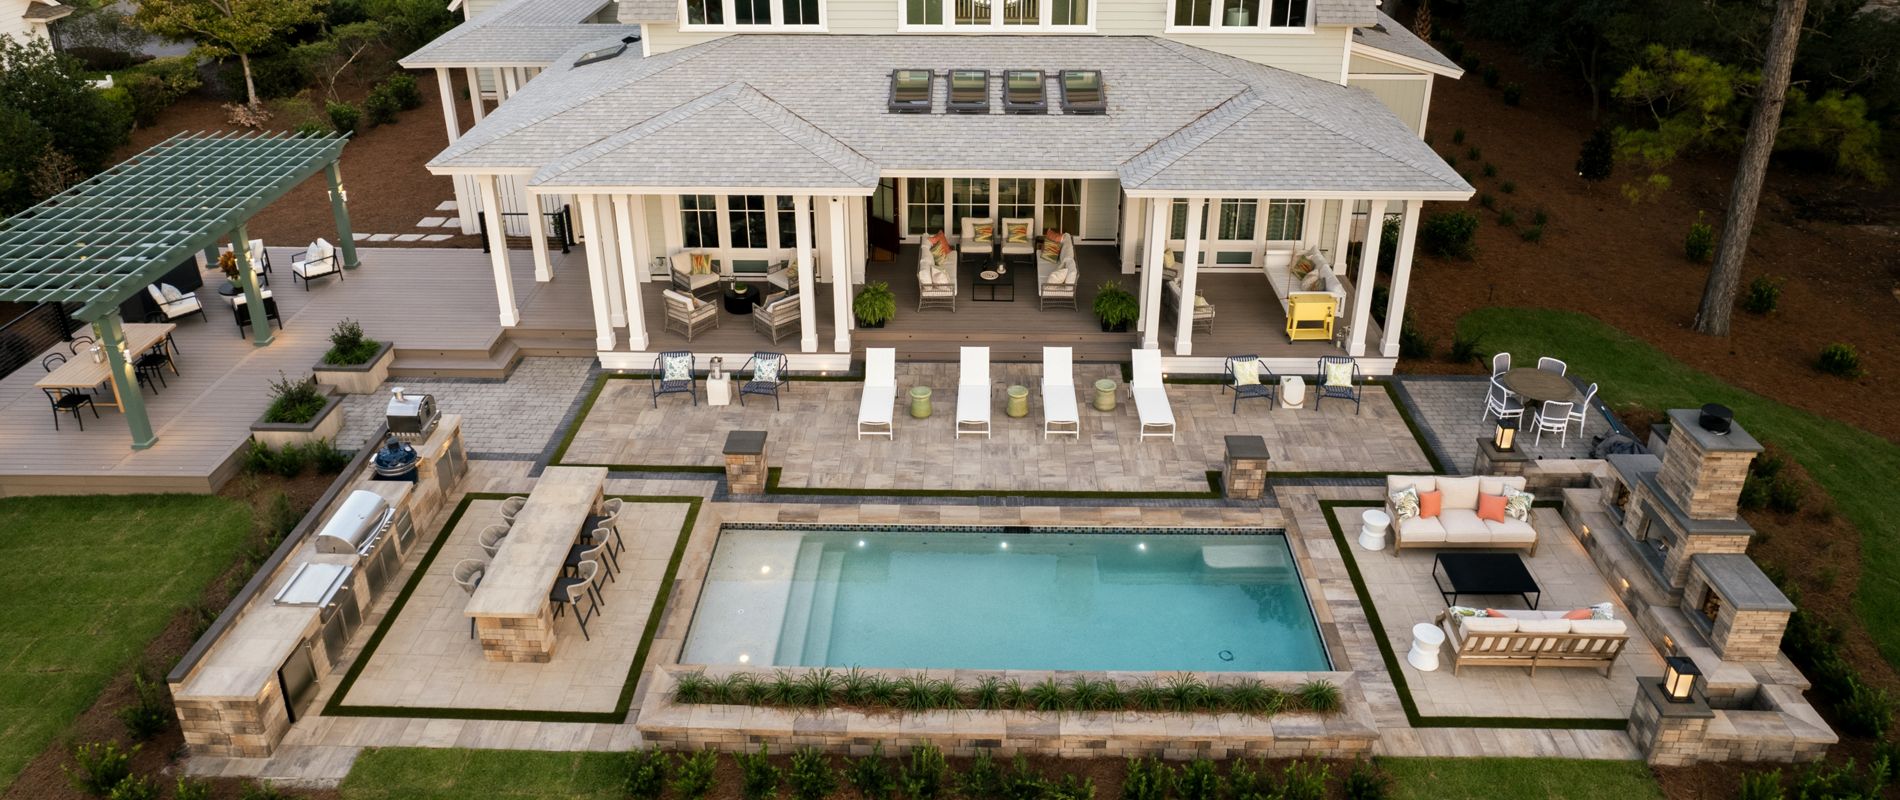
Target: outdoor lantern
1679,674
718,368
1505,437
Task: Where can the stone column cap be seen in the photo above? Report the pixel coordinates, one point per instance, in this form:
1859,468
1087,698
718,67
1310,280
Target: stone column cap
1651,690
1247,447
1740,582
745,443
1688,421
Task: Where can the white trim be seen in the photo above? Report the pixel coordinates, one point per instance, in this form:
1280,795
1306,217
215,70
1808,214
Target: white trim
1368,275
519,172
1386,76
1425,108
729,12
991,173
1309,193
1044,24
1345,59
604,336
549,188
1401,280
498,255
1216,21
1397,60
632,270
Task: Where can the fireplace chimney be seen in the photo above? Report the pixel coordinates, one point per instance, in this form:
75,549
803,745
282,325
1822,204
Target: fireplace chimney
1706,461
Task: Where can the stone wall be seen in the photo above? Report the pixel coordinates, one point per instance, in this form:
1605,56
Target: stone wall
520,639
1706,483
1676,562
235,728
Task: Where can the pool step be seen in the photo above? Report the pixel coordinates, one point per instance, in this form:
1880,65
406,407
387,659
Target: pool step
791,637
824,605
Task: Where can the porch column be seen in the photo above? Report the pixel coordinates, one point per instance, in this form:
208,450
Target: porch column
609,257
131,403
1158,210
1401,279
507,83
340,212
537,234
446,87
604,338
840,276
1368,275
475,94
630,266
498,253
261,334
1190,273
807,307
643,239
1131,233
1342,236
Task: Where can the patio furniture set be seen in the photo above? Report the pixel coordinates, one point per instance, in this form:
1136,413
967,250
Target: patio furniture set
676,372
554,549
1512,391
877,402
992,248
1337,377
697,283
82,381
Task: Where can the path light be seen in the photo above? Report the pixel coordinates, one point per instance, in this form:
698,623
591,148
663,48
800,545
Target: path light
1679,674
1505,437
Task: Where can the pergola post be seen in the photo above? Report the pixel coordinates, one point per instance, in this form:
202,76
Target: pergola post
126,384
247,278
339,208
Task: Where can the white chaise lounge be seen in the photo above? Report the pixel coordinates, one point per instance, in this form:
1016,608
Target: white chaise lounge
880,392
1151,398
1058,393
973,392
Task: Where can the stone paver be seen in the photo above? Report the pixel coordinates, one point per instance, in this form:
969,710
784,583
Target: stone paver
512,418
1451,410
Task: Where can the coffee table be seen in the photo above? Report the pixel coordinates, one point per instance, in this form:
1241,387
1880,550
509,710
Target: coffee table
737,302
1484,573
1004,281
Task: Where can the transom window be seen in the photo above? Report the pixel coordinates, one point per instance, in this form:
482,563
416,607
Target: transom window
998,14
1240,15
754,13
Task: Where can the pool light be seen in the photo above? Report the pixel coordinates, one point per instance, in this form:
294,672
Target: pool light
745,658
1004,545
860,542
765,569
1142,546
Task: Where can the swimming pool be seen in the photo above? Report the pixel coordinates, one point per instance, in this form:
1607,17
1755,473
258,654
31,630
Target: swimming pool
997,599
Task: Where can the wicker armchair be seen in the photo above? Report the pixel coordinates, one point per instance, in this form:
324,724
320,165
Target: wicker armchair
778,318
687,314
690,283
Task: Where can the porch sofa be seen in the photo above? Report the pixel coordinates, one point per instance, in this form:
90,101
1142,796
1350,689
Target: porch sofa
1456,525
1532,639
1289,290
1056,278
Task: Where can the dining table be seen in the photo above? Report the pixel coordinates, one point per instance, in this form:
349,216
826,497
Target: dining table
514,616
81,373
1539,385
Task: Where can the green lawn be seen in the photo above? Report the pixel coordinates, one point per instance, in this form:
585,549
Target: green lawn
1518,779
444,774
1857,468
89,582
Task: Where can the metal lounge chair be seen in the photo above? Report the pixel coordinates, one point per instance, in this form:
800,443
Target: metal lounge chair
1151,397
879,400
1058,393
973,392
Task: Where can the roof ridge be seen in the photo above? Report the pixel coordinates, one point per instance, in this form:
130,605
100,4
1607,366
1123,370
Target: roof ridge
753,93
1162,152
658,122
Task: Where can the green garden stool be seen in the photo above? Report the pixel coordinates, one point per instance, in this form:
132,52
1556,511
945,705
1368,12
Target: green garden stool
920,402
1105,395
1018,402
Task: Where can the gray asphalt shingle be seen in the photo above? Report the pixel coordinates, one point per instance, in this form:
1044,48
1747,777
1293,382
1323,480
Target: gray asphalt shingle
521,33
1388,35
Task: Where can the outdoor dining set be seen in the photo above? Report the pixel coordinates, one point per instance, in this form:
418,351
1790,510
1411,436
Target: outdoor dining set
1557,404
553,549
83,380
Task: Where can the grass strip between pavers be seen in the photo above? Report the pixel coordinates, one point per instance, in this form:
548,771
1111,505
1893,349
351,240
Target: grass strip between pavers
336,708
1412,716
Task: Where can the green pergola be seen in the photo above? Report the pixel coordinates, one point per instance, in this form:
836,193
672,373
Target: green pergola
103,241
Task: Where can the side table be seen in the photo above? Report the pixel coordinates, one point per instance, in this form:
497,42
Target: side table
920,402
1018,405
1427,640
1292,391
1105,395
1372,525
719,391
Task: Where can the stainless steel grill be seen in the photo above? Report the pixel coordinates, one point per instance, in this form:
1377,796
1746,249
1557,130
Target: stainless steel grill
411,416
358,522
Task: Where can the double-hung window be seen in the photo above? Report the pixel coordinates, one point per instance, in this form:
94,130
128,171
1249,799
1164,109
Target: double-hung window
1001,15
699,221
747,212
753,14
1240,15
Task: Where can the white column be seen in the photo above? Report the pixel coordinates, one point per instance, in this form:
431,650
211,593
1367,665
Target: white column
1131,234
1342,237
1368,275
631,265
537,234
1158,210
610,257
642,239
1190,272
475,94
446,87
498,251
604,338
807,307
1401,279
840,276
508,83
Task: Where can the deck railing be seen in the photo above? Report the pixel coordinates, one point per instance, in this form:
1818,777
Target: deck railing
560,226
23,339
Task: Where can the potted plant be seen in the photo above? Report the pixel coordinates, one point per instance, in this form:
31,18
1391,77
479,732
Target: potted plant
355,363
874,305
1115,307
741,288
300,412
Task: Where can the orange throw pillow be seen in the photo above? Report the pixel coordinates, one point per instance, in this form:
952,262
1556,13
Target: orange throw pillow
1581,613
1492,612
1491,507
1430,503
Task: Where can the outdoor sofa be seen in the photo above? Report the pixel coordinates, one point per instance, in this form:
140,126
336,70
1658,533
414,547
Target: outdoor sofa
1532,639
1457,524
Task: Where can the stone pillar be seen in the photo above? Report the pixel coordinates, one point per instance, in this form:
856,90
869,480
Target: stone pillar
1246,474
515,640
1750,612
1703,471
745,462
1492,461
1669,734
234,727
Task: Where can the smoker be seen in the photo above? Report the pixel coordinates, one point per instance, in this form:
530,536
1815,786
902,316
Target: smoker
361,525
397,461
411,417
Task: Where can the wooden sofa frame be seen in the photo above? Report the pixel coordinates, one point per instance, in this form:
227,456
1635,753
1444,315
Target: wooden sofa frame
1533,650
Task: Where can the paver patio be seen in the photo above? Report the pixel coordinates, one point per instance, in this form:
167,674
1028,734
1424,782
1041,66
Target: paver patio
513,418
1451,409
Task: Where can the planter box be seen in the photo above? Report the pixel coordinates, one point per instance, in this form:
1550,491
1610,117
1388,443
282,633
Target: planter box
325,425
366,378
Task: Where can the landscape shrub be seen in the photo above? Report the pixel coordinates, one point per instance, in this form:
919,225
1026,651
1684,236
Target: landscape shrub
188,789
646,774
380,107
1540,217
1843,781
1784,495
1245,781
982,778
1465,350
1487,201
1197,780
1700,243
871,776
134,787
154,86
148,715
1762,296
280,74
1458,136
348,345
311,127
1840,359
258,790
1304,780
1413,344
105,59
811,775
758,776
1513,94
696,775
1761,786
1147,779
1490,170
343,117
1532,234
1472,153
1866,711
294,401
1070,787
1021,782
1754,496
1319,696
1507,218
402,87
1507,187
99,766
1449,234
925,776
325,457
1365,782
1597,159
1491,76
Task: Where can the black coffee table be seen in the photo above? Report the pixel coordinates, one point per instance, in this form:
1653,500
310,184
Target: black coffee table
1005,281
737,302
1484,573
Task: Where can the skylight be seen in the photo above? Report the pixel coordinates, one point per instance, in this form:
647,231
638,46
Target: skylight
969,91
604,53
1023,92
1083,93
910,91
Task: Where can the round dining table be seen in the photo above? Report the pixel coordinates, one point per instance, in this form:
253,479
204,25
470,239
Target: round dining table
1539,385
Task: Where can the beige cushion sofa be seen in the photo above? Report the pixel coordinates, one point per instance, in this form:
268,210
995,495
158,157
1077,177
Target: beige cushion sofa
1457,524
1532,639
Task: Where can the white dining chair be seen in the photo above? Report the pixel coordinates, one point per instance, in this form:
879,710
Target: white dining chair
1501,403
1555,418
1500,364
1549,364
1583,409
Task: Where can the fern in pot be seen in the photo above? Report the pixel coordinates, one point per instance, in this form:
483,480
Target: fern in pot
874,305
1115,307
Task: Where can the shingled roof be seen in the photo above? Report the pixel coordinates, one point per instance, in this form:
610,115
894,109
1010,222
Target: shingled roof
1388,36
521,33
1179,117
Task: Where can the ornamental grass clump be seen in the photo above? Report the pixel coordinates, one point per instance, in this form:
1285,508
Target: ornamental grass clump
823,688
294,402
348,345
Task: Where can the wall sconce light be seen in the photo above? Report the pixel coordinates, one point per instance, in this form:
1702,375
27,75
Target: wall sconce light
1505,436
1586,531
1624,583
1679,674
1669,643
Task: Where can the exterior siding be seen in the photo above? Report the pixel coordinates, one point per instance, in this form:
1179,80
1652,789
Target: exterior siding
1320,54
14,25
1406,98
1371,66
1101,207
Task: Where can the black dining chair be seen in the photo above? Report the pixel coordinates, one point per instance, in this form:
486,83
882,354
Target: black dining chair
70,401
52,360
78,341
159,318
151,366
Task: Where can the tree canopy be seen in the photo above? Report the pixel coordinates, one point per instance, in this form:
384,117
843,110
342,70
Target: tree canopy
228,27
50,91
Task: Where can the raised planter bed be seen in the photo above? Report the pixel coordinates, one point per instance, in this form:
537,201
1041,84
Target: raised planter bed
325,425
365,378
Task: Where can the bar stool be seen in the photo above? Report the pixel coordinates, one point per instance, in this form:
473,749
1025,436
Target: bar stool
604,530
468,575
568,591
512,506
491,538
583,554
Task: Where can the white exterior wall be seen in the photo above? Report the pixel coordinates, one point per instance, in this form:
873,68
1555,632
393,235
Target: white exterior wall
1406,96
1101,209
13,23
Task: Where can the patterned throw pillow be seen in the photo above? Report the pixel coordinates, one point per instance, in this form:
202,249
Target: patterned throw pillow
1405,503
1603,611
1339,373
1018,233
1517,505
983,232
1051,246
765,371
676,368
1302,267
939,249
702,264
1465,611
1247,373
1312,282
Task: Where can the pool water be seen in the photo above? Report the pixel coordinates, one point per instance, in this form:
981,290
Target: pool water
1130,600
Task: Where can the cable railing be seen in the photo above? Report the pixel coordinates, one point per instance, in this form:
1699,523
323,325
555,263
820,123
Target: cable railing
24,338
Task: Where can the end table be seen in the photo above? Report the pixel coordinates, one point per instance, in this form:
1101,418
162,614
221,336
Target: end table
719,390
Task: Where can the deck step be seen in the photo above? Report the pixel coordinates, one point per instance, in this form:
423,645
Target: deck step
495,363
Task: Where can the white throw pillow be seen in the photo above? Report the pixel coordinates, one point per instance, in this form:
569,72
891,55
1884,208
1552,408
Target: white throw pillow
766,371
1405,503
1247,373
939,277
1599,627
1339,373
170,293
1517,505
676,368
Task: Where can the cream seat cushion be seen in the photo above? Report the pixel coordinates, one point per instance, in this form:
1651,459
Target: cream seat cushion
1421,529
1510,530
1461,493
1543,626
1489,624
1599,627
1463,525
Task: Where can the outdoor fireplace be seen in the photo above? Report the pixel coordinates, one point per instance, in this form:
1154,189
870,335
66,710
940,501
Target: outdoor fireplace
1686,503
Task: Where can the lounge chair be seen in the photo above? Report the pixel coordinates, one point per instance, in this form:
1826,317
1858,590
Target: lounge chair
777,319
175,304
1018,236
1151,398
973,392
316,261
880,392
695,272
1058,393
980,235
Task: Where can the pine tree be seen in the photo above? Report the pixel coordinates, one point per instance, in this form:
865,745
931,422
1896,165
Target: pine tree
1598,156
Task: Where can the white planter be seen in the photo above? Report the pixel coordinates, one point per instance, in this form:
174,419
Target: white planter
364,378
325,425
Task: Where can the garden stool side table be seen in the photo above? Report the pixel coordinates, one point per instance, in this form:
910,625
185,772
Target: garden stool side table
1372,525
1105,395
919,402
1427,639
1018,401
